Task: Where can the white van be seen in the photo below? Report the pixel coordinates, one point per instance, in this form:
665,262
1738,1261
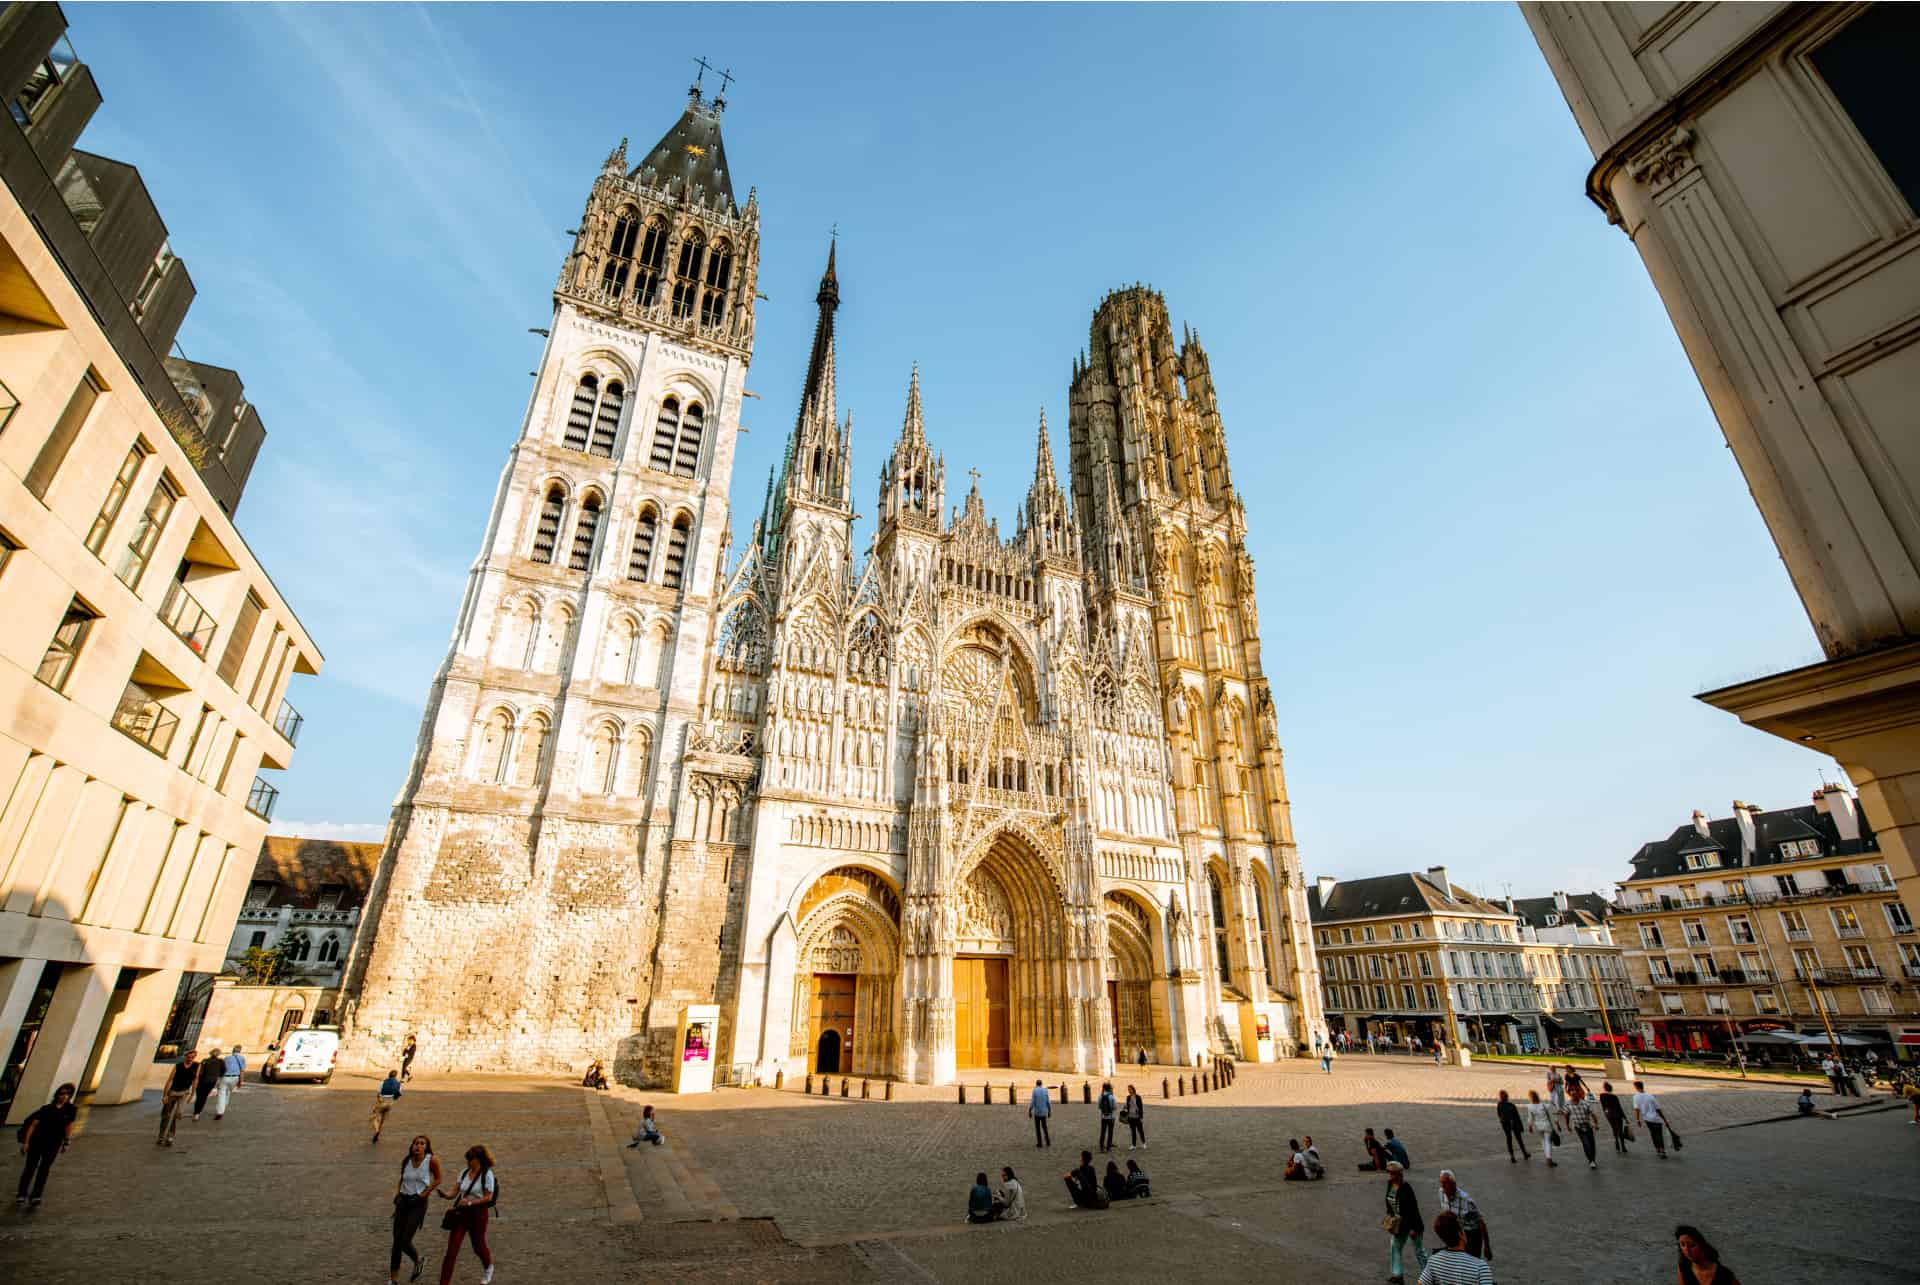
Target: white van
307,1054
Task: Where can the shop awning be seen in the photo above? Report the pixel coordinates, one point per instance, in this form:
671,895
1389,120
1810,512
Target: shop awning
1574,1021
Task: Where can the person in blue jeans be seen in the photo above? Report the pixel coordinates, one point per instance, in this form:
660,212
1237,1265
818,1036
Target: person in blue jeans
1040,1106
1109,1108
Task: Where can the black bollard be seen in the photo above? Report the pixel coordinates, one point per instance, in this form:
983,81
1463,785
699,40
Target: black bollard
779,1079
963,1093
809,1085
1165,1091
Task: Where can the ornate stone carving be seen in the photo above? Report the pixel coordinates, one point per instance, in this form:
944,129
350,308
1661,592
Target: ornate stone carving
1665,160
986,917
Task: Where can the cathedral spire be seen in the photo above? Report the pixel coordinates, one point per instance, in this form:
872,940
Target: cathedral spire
913,429
820,362
1043,474
816,467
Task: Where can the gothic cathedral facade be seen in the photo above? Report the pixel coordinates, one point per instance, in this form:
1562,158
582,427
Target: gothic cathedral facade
966,801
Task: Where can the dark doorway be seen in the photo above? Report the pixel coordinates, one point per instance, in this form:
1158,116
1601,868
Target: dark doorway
826,1056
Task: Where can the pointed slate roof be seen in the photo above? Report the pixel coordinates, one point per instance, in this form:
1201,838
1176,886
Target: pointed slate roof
690,156
1665,857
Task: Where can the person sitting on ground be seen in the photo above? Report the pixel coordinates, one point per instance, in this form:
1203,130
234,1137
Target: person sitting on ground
1084,1185
595,1078
1316,1170
1138,1187
980,1201
1115,1183
1377,1156
649,1130
1804,1102
1452,1264
1397,1150
1010,1202
1296,1163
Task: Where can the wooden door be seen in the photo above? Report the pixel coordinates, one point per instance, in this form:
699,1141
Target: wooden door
994,979
833,996
970,1012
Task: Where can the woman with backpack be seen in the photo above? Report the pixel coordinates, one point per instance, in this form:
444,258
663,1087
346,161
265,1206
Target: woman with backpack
474,1195
419,1174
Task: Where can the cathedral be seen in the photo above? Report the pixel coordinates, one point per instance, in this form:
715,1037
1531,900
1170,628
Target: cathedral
965,799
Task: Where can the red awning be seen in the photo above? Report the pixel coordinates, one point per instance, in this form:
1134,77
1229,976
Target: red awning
1909,1039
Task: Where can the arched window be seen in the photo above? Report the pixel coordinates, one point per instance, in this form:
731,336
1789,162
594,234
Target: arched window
329,949
686,454
653,257
533,750
640,559
1219,927
634,760
515,635
1266,941
583,532
676,553
665,430
596,766
580,417
606,421
713,299
613,277
546,534
490,762
616,662
299,947
686,272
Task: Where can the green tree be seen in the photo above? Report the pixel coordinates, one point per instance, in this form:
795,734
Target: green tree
259,967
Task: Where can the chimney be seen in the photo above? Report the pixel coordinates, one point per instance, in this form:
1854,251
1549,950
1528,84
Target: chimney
1749,838
1700,824
1559,901
1438,876
1510,909
1841,806
1326,884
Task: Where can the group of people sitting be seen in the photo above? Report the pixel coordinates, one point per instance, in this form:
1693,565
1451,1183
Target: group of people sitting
1090,1192
1380,1154
596,1076
985,1205
1303,1163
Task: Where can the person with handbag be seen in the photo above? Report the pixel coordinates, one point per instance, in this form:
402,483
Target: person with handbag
1135,1114
473,1197
1540,1121
206,1080
1647,1111
1403,1222
419,1174
1616,1116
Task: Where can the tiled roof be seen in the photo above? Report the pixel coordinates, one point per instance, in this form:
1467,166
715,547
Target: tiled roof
1666,857
1396,894
301,867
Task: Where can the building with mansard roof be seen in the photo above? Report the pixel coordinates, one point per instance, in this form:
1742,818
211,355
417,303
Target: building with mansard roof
976,798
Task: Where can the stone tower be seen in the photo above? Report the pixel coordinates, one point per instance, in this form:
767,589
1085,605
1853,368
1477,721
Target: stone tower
1163,535
560,841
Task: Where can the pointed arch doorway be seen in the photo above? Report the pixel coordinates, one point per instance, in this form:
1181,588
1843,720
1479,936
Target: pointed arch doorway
1009,959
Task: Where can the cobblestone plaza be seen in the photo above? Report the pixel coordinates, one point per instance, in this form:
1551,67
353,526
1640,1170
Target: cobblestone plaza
761,1185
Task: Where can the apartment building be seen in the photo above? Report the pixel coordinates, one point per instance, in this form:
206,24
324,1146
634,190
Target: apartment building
145,654
1781,920
1414,954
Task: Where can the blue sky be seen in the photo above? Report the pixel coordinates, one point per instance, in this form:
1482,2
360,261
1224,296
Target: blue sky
1500,540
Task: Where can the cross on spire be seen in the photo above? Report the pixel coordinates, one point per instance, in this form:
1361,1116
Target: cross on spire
974,473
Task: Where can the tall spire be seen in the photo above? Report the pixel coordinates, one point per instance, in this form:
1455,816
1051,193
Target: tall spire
1043,474
914,427
818,390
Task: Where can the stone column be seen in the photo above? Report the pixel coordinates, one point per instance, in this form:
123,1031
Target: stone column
19,979
132,1036
67,1035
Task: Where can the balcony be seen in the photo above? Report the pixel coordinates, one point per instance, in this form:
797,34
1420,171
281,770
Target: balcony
287,722
182,613
1723,977
142,718
1799,934
1871,887
1855,931
1911,970
1840,976
261,798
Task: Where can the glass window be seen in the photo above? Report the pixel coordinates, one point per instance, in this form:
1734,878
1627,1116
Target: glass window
1866,64
116,497
1897,917
53,451
146,532
56,666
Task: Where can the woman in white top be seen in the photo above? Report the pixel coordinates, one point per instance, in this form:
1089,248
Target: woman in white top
419,1174
1010,1203
1540,1121
473,1197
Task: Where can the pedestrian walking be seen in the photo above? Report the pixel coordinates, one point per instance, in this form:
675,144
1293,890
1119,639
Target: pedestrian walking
1403,1222
407,1051
383,1100
1557,1090
1326,1060
1616,1117
1109,1108
1143,1057
419,1174
473,1197
43,1136
1439,1052
234,1071
1134,1112
1473,1224
1540,1121
1511,1127
174,1095
1583,1118
1647,1112
649,1128
1040,1106
1083,1185
212,1068
1010,1202
1699,1261
1454,1263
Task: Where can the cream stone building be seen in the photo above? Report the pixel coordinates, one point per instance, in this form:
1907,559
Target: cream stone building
145,653
965,799
1761,156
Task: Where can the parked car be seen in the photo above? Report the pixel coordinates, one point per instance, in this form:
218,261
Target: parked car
307,1054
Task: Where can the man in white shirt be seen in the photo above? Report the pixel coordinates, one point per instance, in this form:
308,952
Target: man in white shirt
229,1081
1040,1106
1646,1111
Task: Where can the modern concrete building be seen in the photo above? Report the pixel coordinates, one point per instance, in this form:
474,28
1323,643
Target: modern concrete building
1763,159
1781,920
144,652
1415,954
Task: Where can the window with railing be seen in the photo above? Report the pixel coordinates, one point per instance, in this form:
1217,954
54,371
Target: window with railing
141,717
1845,922
261,798
182,613
287,722
1897,917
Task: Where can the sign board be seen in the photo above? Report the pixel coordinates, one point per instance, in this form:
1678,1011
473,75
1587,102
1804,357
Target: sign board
693,1048
1257,1033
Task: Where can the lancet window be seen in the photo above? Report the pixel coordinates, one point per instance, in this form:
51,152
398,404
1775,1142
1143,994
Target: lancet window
584,531
580,416
613,277
676,438
640,559
546,532
686,273
1219,926
713,299
676,552
606,420
653,257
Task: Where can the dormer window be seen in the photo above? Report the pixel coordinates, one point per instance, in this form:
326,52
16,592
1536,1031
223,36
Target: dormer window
1703,860
259,893
1553,921
330,895
1796,848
